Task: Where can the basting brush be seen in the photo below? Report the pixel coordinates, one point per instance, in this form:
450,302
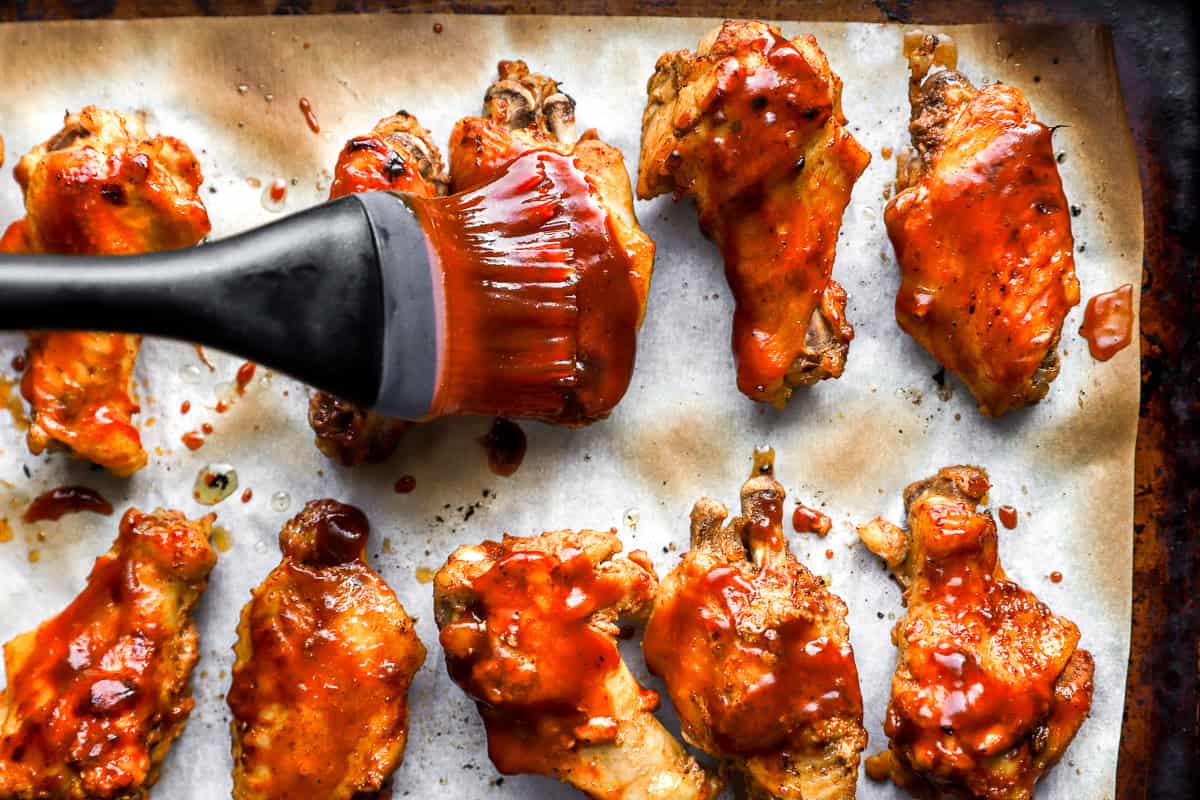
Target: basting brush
512,299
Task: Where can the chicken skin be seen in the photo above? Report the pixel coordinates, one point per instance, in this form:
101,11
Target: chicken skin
100,186
982,232
751,126
529,630
97,694
989,688
325,657
756,654
397,155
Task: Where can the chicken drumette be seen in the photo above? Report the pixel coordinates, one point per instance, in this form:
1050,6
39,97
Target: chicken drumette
751,126
756,654
398,155
325,656
529,629
989,687
97,695
982,232
100,186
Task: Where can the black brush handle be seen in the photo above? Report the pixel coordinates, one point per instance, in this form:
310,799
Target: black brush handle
303,295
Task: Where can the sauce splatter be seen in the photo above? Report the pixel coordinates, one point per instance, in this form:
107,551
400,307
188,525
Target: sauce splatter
809,520
405,484
194,440
1108,322
247,495
18,362
505,444
6,531
245,374
204,358
829,554
274,195
437,27
35,556
221,539
425,574
207,428
1056,577
64,500
310,116
185,407
1008,517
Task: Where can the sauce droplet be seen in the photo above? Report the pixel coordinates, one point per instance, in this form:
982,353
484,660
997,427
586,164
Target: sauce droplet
310,116
425,574
193,440
185,407
280,501
437,27
207,427
1056,577
245,374
274,196
505,444
829,554
35,555
221,539
64,500
6,531
809,520
214,483
12,401
1108,322
405,484
764,461
18,362
247,495
204,359
1008,517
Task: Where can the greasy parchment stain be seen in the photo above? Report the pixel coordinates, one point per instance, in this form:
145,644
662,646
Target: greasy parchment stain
231,88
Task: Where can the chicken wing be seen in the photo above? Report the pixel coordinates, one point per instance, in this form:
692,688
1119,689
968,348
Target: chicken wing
397,155
529,630
982,233
97,695
756,654
325,656
989,687
751,126
100,186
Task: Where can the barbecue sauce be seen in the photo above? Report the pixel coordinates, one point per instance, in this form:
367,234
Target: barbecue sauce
1108,322
538,304
64,500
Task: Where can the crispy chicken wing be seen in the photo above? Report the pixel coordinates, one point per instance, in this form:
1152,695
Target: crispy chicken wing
96,695
529,630
756,654
989,687
397,155
100,186
751,126
982,233
325,656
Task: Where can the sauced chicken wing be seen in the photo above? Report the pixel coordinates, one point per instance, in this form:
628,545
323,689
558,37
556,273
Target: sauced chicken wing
756,654
989,687
100,186
325,656
751,126
529,630
97,694
982,233
398,155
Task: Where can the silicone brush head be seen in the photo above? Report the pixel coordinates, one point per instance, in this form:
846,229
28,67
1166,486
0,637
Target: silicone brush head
537,315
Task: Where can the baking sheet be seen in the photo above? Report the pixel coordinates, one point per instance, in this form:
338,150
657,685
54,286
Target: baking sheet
230,88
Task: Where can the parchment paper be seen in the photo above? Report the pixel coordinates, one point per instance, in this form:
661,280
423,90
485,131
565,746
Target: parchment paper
847,446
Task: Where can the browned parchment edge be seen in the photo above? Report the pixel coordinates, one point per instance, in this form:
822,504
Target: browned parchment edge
1160,747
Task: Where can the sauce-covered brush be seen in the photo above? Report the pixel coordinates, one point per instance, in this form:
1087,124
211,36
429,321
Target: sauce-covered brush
516,298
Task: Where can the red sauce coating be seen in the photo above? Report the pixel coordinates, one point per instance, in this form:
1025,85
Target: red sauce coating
538,300
505,444
193,440
405,484
64,500
1108,322
543,688
809,520
245,374
1008,517
310,117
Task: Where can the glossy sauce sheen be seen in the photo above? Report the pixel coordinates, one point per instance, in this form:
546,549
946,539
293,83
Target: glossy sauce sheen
809,520
537,669
92,685
1108,322
1008,516
537,304
505,444
63,500
779,682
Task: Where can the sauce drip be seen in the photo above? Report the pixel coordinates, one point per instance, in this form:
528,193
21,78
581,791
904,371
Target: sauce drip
64,500
760,686
405,484
1108,322
245,374
310,117
809,520
538,304
1008,517
505,444
537,669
